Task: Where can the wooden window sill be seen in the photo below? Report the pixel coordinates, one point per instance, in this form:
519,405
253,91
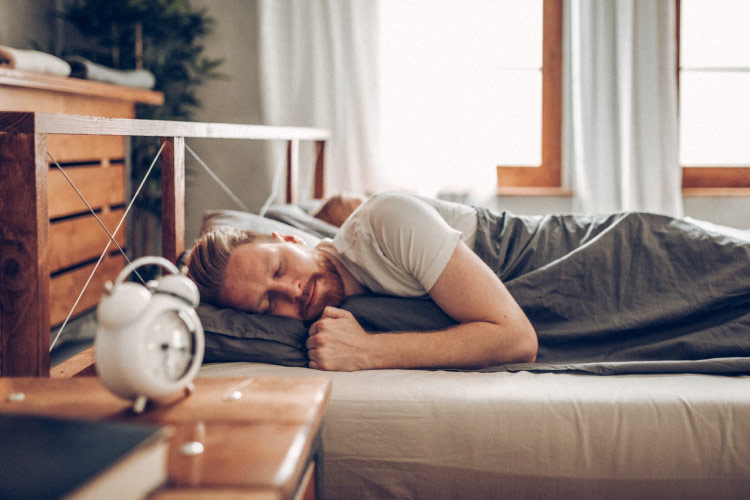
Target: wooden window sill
715,192
534,191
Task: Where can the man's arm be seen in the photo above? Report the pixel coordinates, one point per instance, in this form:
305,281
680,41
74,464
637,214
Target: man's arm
493,329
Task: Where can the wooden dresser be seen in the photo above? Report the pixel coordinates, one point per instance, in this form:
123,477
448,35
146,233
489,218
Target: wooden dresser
95,164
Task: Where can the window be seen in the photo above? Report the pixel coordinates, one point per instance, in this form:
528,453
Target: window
546,175
714,89
465,87
511,115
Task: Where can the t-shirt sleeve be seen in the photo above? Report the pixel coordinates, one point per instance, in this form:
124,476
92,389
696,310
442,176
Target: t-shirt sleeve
413,235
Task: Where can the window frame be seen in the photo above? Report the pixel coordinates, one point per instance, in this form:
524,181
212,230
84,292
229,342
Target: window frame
698,179
547,177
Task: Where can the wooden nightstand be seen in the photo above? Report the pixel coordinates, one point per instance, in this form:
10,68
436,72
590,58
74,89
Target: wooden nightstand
72,237
260,435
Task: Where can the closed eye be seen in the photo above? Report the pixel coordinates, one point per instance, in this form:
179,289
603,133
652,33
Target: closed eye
278,273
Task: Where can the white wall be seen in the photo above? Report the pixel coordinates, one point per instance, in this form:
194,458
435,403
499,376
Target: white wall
22,21
731,211
240,164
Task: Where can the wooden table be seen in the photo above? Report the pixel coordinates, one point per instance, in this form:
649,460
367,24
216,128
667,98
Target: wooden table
261,435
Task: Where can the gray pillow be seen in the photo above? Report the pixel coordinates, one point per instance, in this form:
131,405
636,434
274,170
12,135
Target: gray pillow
298,217
385,313
246,220
233,335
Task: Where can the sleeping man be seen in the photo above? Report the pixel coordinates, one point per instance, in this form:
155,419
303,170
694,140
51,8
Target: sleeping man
608,278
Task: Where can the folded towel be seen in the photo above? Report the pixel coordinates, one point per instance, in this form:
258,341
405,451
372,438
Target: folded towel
83,68
32,60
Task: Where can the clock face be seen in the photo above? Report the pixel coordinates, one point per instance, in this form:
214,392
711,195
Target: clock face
170,346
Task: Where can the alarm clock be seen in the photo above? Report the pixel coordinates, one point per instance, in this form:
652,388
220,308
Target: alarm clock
149,340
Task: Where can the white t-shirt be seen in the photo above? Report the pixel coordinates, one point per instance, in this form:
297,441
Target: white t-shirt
400,244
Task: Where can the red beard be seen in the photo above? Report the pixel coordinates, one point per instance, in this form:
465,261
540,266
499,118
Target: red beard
328,287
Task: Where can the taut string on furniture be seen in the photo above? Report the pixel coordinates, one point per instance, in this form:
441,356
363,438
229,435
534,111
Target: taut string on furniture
111,235
24,251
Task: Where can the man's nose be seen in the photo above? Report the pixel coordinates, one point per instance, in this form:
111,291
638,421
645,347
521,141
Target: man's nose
291,287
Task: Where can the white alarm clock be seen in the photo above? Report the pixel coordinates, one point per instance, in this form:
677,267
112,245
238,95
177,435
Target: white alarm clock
149,341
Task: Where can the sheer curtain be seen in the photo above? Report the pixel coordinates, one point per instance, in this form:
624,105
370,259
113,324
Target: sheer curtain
317,69
620,126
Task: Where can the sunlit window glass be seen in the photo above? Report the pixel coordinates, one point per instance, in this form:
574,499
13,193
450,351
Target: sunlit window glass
714,82
461,90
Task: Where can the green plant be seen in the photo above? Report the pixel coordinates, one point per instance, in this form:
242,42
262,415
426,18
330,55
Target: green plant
163,36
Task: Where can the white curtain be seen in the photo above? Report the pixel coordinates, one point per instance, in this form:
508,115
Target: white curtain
317,69
620,126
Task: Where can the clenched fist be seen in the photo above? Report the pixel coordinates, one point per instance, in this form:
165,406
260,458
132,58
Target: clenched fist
337,342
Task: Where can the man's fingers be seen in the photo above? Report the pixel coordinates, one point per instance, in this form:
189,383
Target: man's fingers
334,312
313,342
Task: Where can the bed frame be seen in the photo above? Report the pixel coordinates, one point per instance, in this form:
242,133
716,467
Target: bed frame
24,252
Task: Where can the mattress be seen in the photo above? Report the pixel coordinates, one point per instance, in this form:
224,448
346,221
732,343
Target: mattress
448,434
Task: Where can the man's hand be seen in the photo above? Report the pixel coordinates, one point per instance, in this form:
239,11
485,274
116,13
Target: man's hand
337,342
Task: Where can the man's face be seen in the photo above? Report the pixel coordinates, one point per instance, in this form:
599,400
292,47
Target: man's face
282,278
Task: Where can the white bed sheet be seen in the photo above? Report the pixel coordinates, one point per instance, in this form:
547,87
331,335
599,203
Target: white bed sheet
445,434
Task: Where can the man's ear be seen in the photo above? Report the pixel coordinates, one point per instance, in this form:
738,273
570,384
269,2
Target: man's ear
289,238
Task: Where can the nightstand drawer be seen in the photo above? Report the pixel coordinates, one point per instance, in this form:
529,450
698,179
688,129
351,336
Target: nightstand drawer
306,491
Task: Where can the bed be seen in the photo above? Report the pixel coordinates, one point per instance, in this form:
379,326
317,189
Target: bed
561,432
570,426
443,434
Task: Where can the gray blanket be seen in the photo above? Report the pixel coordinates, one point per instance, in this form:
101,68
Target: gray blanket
625,293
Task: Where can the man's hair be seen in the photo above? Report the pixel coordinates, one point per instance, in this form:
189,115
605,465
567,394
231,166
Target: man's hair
207,260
